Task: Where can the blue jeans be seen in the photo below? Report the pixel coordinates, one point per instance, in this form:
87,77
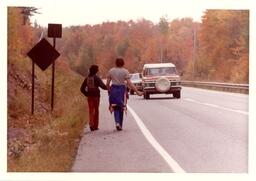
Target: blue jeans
117,99
119,115
117,95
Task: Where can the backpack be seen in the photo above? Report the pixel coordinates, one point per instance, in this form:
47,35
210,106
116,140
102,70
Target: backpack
91,83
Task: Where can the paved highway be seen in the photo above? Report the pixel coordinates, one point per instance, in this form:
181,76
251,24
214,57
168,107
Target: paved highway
203,132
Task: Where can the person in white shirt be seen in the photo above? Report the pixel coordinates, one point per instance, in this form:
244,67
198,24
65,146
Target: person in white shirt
119,78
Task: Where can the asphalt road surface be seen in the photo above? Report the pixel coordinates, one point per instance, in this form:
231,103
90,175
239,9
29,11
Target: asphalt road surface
203,132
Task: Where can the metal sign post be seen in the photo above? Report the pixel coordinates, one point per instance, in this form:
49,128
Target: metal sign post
42,54
54,31
33,86
53,71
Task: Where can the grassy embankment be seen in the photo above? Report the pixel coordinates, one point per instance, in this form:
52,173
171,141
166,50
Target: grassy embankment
44,141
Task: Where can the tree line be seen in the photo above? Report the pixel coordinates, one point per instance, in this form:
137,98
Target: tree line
215,49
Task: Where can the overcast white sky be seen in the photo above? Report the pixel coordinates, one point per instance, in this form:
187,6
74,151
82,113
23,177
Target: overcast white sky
98,11
80,12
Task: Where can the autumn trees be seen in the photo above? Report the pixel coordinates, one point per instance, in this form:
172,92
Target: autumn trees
214,50
223,46
21,35
217,49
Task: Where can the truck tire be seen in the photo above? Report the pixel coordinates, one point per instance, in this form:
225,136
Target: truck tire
146,95
176,94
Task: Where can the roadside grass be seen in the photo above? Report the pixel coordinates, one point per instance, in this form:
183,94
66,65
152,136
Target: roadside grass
54,145
53,136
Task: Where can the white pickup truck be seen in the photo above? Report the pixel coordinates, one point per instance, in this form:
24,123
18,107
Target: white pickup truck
160,78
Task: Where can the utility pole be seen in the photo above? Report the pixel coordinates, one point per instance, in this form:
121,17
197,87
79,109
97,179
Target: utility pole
194,50
161,53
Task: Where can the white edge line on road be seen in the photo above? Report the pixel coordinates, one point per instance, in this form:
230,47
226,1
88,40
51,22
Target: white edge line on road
216,106
171,162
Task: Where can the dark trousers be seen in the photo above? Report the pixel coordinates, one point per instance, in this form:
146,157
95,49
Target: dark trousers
93,103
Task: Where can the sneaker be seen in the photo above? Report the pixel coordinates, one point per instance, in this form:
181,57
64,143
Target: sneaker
118,127
93,129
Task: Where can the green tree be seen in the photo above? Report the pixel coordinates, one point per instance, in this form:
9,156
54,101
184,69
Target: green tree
164,31
27,12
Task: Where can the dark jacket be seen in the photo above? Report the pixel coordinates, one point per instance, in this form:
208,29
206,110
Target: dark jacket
90,86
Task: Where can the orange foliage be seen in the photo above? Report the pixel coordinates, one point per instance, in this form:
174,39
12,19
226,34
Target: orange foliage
210,50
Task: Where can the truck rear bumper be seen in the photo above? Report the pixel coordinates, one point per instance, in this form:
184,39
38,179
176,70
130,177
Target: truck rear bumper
153,90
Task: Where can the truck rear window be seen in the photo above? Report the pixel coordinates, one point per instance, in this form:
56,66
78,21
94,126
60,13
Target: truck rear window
160,71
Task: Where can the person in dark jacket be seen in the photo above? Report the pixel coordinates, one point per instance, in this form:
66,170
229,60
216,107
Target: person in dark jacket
90,88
